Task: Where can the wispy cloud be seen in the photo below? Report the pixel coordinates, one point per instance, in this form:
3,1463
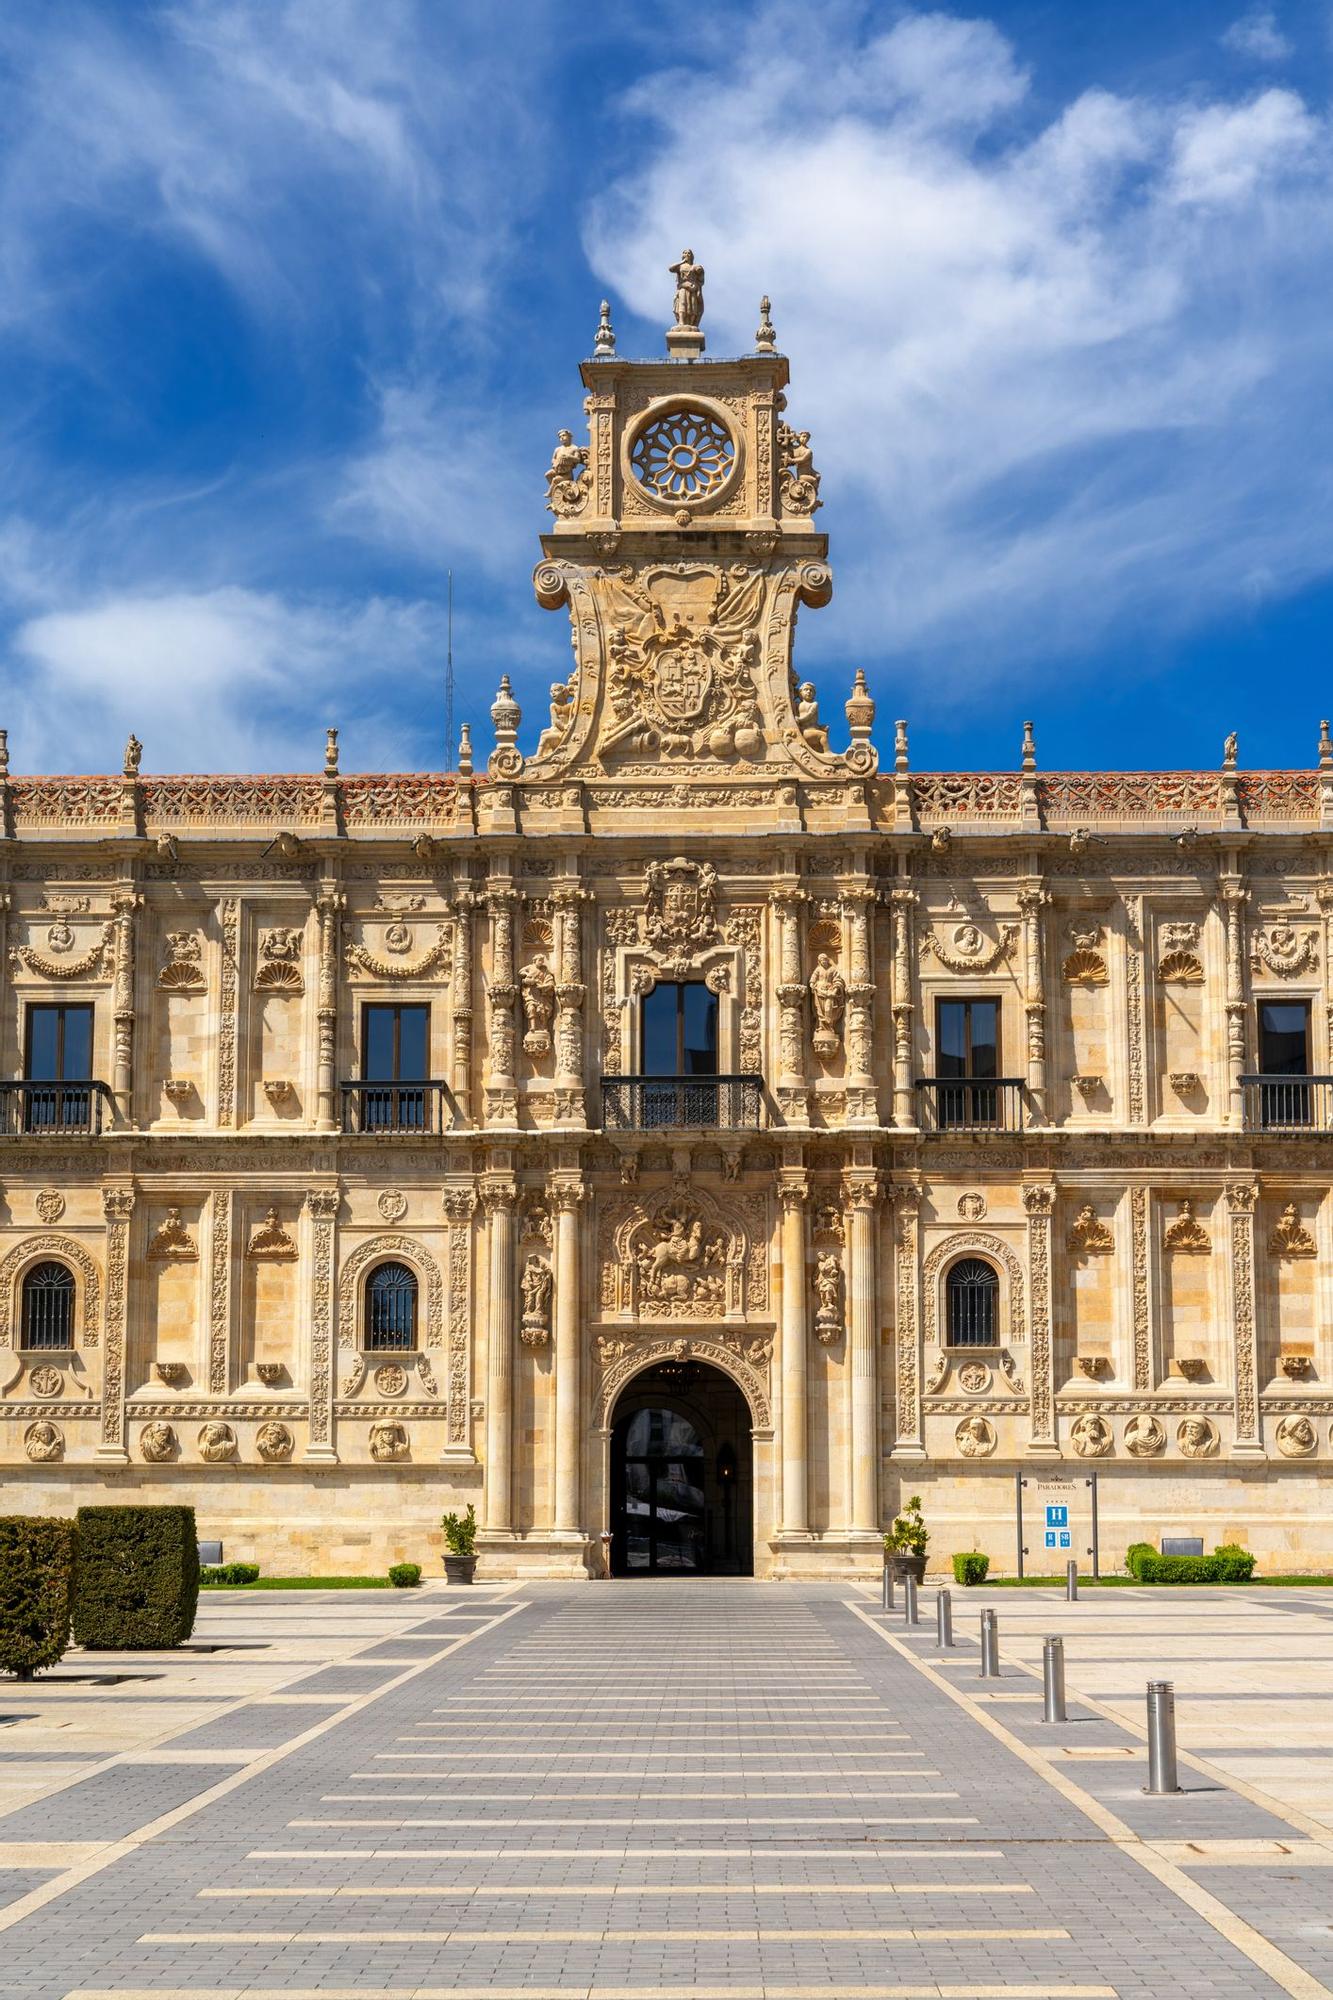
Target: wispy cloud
1258,35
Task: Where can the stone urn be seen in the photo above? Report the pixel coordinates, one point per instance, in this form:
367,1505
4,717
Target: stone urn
459,1569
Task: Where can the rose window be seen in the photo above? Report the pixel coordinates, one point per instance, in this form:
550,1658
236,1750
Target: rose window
684,456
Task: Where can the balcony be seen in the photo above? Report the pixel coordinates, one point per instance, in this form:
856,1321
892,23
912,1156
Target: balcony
416,1109
54,1110
1287,1103
969,1103
656,1103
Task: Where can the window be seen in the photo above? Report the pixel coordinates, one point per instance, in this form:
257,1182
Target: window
58,1052
967,1044
48,1307
680,1029
391,1309
971,1295
1284,1052
395,1052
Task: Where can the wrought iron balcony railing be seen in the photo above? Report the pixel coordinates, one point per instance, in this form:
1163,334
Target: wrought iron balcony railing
37,1109
1287,1103
650,1103
970,1103
418,1108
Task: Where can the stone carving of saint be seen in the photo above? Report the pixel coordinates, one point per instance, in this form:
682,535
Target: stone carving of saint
157,1442
688,304
828,1293
800,481
274,1441
388,1440
537,983
1296,1437
1197,1438
217,1442
566,487
975,1437
1144,1437
43,1441
1091,1436
807,717
133,753
536,1286
828,992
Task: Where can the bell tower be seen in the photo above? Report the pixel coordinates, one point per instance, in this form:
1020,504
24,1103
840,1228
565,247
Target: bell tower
682,543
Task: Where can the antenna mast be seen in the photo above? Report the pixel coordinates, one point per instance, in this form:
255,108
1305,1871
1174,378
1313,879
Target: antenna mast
449,682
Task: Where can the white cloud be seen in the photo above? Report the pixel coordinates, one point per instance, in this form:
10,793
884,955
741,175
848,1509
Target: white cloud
1257,34
1061,372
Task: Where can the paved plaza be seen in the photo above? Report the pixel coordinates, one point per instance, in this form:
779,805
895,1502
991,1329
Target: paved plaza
684,1789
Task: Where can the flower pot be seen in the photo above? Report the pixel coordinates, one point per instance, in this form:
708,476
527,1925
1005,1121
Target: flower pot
459,1569
904,1565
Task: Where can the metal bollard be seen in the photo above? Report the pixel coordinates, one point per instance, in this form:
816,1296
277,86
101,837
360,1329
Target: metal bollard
909,1601
990,1646
886,1592
1071,1582
1053,1681
1162,1738
944,1618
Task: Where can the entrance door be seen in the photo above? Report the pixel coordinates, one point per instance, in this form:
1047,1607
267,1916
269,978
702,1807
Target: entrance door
681,1475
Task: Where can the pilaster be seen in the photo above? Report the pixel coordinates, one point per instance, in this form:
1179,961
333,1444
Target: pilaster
909,1437
860,1192
501,995
793,1192
902,903
322,1205
1039,1206
117,1211
565,1196
328,911
1032,900
1242,1200
1235,896
499,1196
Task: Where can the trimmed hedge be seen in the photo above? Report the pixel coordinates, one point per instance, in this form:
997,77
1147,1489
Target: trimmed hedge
138,1577
404,1575
38,1564
1229,1563
970,1568
229,1573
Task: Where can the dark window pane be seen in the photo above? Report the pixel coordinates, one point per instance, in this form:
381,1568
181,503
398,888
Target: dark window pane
377,1053
391,1307
1284,1033
985,1037
972,1289
951,1059
48,1307
700,1029
659,1030
43,1041
413,1036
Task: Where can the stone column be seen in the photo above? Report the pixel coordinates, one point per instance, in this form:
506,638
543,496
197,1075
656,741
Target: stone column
860,1194
792,1192
909,1437
327,909
1144,1363
501,1086
862,1107
123,907
1031,902
221,1216
1242,1199
1234,898
564,1198
791,1090
1324,897
569,996
464,905
902,903
117,1209
499,1198
1039,1203
322,1206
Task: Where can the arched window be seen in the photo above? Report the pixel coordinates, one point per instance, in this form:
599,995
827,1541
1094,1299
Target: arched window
391,1308
972,1292
48,1306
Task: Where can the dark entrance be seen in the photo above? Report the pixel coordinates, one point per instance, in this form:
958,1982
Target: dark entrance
681,1475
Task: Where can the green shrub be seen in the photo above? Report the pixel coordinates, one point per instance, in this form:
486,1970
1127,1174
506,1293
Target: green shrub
1235,1564
229,1573
138,1576
37,1571
404,1575
1135,1554
970,1568
1227,1564
460,1535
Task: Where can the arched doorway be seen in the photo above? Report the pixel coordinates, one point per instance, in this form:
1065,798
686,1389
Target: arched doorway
682,1476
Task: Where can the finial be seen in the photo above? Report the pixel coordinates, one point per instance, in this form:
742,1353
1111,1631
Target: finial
1029,748
1229,751
860,708
465,751
605,342
765,338
900,746
685,337
1325,749
4,752
330,753
133,752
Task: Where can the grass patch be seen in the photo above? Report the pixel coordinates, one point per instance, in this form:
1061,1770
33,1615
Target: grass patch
307,1583
1132,1583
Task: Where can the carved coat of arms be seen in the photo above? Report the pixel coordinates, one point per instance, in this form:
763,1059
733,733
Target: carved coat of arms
681,915
684,648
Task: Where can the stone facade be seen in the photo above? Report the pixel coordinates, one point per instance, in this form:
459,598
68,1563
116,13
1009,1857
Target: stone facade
1160,1234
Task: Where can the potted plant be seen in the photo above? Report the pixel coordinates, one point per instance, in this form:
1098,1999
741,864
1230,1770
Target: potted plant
906,1542
460,1546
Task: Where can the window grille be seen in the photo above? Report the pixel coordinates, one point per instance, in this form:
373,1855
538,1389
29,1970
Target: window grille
972,1291
48,1307
391,1309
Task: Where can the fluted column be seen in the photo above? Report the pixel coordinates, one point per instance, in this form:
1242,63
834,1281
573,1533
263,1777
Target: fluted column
860,1194
1031,902
1242,1198
569,997
792,1191
902,903
327,909
499,1198
1234,898
501,1086
564,1198
862,1108
464,905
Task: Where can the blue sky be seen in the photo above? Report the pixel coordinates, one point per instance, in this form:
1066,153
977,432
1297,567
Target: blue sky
292,295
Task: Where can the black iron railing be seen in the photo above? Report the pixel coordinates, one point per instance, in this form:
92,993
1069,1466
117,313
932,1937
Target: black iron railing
37,1108
970,1103
1287,1103
396,1107
649,1103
